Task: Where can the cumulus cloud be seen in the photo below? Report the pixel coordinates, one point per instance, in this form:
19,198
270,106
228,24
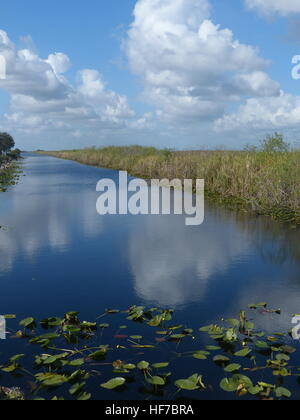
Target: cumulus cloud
282,112
269,7
191,67
42,98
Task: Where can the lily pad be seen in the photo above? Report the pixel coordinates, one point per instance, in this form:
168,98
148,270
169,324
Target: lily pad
114,383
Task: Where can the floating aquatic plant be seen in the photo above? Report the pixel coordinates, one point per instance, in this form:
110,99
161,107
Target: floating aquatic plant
67,357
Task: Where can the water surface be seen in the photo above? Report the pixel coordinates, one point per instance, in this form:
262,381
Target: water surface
57,254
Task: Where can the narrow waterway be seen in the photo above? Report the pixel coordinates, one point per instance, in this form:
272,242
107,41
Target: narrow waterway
57,254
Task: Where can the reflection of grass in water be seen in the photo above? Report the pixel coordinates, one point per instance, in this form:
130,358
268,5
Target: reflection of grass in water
275,242
265,181
70,358
9,176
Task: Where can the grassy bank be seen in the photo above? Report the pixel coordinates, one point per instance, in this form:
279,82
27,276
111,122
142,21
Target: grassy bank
9,171
265,181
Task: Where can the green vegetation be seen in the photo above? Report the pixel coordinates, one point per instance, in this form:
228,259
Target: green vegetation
65,358
265,179
7,143
8,157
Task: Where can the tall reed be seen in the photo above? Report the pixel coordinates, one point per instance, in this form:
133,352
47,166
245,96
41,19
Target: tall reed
262,181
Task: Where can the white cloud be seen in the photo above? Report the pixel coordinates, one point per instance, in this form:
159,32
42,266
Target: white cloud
282,112
191,67
43,99
269,7
59,62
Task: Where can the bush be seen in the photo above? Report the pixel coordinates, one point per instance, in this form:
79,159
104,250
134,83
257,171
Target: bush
14,154
275,144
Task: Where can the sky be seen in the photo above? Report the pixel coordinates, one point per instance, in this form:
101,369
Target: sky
184,74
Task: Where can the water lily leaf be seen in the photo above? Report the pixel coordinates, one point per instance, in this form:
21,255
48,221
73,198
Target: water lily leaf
262,345
162,332
281,372
77,362
84,396
160,365
258,305
249,325
156,321
77,388
112,311
54,380
221,359
255,390
259,334
130,366
235,383
288,349
16,357
104,326
205,329
282,392
114,383
243,353
97,355
192,383
230,335
188,331
50,360
157,380
282,357
143,365
186,384
51,322
11,368
228,385
27,323
177,336
10,316
201,355
234,322
232,368
175,327
212,348
266,385
143,346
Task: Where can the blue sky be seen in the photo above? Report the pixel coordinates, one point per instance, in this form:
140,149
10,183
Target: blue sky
170,73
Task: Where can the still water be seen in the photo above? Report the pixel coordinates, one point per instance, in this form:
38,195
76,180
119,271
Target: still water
57,254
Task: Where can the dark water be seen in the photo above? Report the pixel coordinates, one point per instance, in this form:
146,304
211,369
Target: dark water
57,254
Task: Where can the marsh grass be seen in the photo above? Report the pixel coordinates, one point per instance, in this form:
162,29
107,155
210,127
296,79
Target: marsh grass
8,175
265,181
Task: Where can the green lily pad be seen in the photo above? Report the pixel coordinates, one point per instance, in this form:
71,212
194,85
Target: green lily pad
283,392
232,368
221,359
243,353
114,383
143,365
160,365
